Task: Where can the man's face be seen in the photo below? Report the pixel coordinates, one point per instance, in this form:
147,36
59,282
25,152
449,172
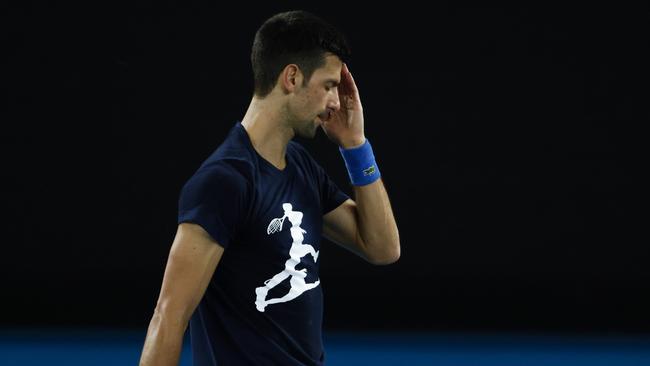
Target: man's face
316,100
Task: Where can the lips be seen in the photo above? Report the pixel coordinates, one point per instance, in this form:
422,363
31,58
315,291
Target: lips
324,116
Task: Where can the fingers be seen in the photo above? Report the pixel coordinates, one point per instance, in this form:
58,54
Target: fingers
348,81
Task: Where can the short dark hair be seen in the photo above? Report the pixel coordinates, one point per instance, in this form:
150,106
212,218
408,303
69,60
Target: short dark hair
294,37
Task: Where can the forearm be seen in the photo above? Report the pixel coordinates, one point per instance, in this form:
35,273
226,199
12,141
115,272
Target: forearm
376,223
164,341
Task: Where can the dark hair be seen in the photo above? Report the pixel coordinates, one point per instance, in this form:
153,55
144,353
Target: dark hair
294,37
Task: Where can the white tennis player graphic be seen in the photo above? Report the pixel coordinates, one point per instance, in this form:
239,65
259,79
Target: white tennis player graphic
297,251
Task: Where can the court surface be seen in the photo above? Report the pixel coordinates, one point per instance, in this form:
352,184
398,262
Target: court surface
110,347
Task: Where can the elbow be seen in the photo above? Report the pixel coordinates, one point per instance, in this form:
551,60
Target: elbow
387,257
384,261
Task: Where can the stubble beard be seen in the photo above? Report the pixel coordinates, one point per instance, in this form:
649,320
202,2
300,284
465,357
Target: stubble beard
308,129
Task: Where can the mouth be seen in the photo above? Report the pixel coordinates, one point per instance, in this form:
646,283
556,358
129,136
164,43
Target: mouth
324,117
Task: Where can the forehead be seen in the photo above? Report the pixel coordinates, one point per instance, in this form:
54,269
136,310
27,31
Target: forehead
331,69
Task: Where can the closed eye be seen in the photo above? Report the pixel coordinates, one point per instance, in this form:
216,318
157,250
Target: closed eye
331,84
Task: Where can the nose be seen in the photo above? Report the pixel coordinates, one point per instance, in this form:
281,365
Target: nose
335,104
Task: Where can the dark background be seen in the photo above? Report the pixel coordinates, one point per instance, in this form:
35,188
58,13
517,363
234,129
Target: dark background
507,138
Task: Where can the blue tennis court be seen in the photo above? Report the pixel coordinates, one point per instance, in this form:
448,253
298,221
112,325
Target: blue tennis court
110,347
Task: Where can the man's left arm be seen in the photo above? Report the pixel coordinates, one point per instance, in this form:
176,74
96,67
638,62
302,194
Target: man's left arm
366,227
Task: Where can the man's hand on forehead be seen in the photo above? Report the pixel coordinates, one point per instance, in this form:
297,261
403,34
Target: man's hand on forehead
345,126
348,92
346,80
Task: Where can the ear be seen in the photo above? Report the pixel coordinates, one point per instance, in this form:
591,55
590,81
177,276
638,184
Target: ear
290,78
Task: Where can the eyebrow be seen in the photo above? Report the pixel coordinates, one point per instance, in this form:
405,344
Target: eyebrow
333,81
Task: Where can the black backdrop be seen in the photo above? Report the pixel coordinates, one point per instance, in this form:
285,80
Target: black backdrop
506,137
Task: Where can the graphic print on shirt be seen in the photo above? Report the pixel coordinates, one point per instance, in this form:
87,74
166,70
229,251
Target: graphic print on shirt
297,251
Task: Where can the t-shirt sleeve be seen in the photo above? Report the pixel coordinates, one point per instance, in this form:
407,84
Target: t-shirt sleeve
331,195
215,199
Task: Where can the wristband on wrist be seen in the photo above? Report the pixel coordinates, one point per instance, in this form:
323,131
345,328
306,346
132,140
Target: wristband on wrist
361,165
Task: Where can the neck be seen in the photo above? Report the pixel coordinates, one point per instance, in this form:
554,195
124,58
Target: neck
268,129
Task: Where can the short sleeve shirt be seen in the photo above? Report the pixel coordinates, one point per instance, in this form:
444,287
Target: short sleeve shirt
264,303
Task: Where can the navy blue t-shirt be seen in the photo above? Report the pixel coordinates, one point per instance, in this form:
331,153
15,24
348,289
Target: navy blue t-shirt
264,303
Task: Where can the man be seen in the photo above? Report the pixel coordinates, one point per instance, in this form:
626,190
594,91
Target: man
246,284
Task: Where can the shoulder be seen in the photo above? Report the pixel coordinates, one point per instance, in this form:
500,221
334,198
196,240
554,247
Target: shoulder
234,176
232,163
235,168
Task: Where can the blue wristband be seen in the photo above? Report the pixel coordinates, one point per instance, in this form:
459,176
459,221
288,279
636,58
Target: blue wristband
361,165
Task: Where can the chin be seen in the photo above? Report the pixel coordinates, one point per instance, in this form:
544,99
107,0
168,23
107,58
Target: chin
310,134
308,131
